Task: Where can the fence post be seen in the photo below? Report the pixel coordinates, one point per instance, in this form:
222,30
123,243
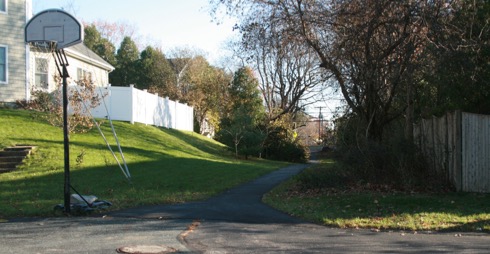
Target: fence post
108,102
146,106
166,119
155,111
175,114
131,94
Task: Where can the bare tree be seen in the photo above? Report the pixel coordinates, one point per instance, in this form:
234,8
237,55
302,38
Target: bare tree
289,72
116,31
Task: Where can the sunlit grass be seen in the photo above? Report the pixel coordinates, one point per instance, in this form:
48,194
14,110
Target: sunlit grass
167,166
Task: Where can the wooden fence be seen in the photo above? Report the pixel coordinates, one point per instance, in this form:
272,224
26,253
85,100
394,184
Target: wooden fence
134,105
457,146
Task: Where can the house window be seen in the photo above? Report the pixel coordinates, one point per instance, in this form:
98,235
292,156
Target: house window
83,75
41,73
3,5
3,64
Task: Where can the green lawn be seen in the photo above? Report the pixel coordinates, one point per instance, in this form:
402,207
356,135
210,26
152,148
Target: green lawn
339,206
167,166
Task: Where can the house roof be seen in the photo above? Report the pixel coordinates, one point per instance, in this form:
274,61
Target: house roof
83,53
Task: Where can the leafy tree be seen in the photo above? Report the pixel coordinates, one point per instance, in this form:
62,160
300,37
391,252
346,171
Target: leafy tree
155,73
201,85
205,88
239,128
126,69
91,37
245,94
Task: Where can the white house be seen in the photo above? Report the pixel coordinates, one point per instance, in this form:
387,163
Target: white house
25,68
83,63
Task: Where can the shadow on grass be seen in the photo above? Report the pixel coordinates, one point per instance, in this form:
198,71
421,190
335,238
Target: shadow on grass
32,192
167,166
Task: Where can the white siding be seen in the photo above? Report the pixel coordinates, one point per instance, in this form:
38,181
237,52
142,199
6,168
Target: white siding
12,24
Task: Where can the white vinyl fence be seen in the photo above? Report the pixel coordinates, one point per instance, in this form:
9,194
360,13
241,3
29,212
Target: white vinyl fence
134,105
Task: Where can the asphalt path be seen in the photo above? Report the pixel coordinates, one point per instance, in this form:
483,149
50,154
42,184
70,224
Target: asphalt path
233,222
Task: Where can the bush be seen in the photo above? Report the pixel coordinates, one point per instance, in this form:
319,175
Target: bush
81,100
280,145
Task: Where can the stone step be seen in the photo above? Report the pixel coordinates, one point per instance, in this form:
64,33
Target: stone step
5,170
17,159
13,156
6,165
22,153
20,148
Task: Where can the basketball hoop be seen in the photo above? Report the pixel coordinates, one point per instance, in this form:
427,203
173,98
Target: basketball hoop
51,31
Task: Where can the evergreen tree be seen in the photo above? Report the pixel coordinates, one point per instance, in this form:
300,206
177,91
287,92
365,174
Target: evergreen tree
155,72
126,68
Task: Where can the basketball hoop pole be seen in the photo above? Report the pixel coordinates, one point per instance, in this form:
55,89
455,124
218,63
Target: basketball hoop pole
62,61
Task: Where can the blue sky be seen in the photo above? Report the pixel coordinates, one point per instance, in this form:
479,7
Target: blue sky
167,23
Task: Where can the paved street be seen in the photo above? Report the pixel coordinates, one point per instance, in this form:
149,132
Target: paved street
88,235
228,237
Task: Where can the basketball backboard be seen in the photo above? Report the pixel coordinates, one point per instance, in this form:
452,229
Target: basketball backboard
54,25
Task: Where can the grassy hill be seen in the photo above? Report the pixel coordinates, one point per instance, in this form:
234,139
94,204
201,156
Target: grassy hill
167,166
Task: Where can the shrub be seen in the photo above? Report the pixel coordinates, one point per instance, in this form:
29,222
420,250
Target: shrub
81,99
280,145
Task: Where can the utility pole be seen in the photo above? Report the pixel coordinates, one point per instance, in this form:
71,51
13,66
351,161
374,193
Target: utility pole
320,120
